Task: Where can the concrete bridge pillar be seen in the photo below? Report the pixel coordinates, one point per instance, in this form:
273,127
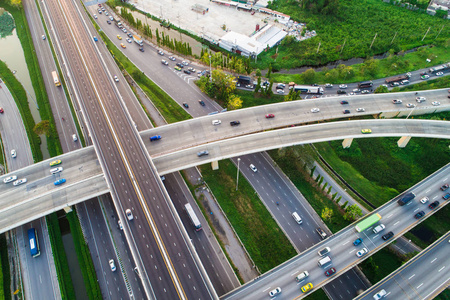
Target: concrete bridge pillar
347,143
403,141
68,209
215,165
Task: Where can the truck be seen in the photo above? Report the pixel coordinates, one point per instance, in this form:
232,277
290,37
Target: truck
367,222
440,68
406,198
137,40
398,78
306,89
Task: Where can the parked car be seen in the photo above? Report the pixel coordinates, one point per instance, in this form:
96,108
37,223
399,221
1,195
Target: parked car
187,72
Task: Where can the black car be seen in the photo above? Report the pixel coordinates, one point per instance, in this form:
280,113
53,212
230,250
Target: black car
341,92
202,103
433,205
387,235
185,105
180,65
419,215
444,187
187,72
235,123
344,102
345,111
108,21
141,49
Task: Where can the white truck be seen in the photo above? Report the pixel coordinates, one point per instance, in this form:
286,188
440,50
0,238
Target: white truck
137,40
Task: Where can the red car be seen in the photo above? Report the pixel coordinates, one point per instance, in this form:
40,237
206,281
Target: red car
330,272
1,110
268,116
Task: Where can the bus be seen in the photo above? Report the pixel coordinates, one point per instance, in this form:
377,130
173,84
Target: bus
365,84
34,242
193,217
367,222
55,78
306,89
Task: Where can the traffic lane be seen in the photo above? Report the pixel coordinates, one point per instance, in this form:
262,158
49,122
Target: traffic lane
346,285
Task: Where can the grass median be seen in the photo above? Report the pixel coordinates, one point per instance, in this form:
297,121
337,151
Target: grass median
262,237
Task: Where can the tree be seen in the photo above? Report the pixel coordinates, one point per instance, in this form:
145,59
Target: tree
381,89
234,102
269,72
327,214
292,95
309,76
258,85
223,83
42,127
352,212
312,171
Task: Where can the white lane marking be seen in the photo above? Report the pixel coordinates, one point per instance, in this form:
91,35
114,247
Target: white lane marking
420,285
389,216
345,243
412,276
441,268
433,260
396,223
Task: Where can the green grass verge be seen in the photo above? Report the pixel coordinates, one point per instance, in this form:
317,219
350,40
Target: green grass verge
84,258
5,290
287,160
318,295
60,258
381,264
260,234
249,99
444,295
170,110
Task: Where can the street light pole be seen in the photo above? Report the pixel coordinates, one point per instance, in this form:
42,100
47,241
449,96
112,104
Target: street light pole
237,176
210,72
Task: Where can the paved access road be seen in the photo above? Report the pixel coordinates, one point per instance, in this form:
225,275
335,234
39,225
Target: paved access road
398,219
423,277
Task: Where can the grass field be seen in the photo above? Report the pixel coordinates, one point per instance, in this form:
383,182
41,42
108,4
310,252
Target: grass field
379,265
265,242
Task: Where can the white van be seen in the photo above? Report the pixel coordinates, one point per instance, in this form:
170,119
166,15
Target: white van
302,276
324,261
297,217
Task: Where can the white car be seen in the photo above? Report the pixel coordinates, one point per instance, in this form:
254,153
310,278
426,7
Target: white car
116,79
129,40
424,200
356,90
421,99
74,137
410,105
397,101
160,53
360,109
342,86
280,91
275,292
328,85
185,63
440,74
95,16
424,77
436,103
379,295
129,214
124,30
164,62
315,110
216,122
56,170
9,179
362,252
112,265
13,153
120,224
20,181
254,169
172,58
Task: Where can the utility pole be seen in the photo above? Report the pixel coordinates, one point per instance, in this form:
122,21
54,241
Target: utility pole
394,37
342,49
237,176
373,40
426,33
439,32
318,48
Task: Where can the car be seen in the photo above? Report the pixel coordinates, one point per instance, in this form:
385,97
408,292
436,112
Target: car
172,58
394,84
419,215
433,205
387,235
324,251
362,252
56,170
120,224
280,91
307,287
216,122
356,90
330,272
177,68
129,214
13,153
424,200
180,65
1,110
202,103
100,11
106,13
202,153
253,168
410,105
112,265
20,181
440,74
116,79
281,86
423,73
129,41
444,187
342,86
124,30
129,35
111,18
123,45
95,39
185,63
364,131
357,242
108,21
424,77
191,69
74,137
397,101
379,295
119,37
328,85
344,102
315,110
185,105
345,111
436,103
421,99
187,72
59,181
55,163
269,116
164,62
340,92
160,53
365,92
446,196
155,138
9,179
43,37
360,109
322,233
103,9
275,292
95,16
141,49
235,123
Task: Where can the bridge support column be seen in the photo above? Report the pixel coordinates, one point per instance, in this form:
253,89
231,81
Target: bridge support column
347,143
68,209
215,165
403,141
